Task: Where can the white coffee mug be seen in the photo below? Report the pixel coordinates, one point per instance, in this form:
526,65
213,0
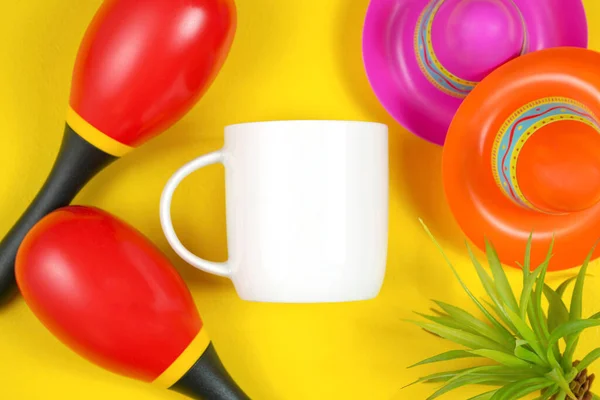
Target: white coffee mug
306,210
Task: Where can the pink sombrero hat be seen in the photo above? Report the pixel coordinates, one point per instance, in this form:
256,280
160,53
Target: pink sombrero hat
423,57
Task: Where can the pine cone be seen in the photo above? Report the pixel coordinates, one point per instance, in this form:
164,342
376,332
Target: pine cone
581,386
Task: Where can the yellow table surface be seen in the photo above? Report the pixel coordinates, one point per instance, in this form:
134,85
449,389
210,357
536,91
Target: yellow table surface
296,59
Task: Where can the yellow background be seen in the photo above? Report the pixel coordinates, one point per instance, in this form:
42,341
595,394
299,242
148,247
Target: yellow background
297,59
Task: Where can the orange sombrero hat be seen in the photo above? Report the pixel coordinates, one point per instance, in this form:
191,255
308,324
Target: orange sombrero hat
522,156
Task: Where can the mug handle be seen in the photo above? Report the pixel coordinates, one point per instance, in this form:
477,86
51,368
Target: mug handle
216,268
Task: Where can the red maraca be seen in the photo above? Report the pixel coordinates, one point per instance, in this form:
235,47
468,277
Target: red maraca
141,66
109,294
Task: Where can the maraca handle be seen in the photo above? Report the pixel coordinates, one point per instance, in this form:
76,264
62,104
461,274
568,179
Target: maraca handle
209,380
77,162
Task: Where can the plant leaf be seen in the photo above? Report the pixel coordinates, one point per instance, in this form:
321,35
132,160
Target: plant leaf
577,297
481,375
499,371
560,290
502,315
557,314
571,375
557,310
588,359
486,280
526,292
484,396
476,326
518,389
526,333
462,381
539,287
552,359
446,321
502,284
556,376
438,312
528,355
466,339
466,289
526,268
534,321
525,390
551,391
438,377
534,312
527,260
571,327
567,358
447,356
502,358
561,395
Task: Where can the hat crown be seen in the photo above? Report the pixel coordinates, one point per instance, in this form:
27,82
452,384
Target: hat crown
459,42
546,156
473,37
559,167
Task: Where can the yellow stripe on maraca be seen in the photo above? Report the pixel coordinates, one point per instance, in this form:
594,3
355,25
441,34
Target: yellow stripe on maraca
94,136
185,361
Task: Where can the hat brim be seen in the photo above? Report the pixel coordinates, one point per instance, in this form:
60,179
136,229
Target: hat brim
396,78
478,204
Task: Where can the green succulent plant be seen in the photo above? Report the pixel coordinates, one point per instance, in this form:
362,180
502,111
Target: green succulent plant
521,349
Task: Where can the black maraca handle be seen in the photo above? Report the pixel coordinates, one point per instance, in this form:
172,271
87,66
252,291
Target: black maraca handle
76,163
209,380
